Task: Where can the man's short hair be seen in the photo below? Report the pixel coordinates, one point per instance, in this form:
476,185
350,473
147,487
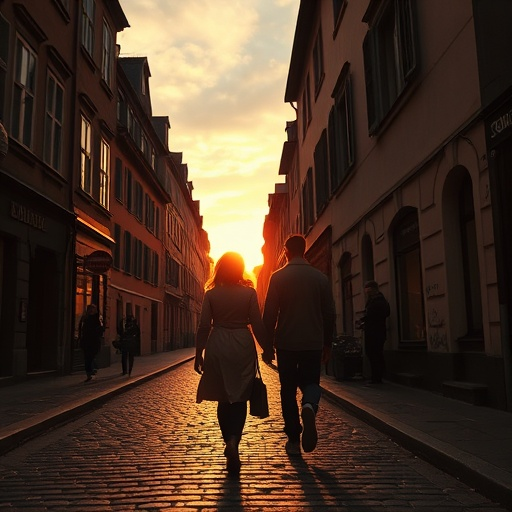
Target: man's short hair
372,284
296,245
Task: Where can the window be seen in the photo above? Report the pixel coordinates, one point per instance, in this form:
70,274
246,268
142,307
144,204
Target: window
86,159
308,213
138,201
318,62
53,123
127,261
409,282
321,173
306,109
128,189
137,258
117,248
23,94
104,173
118,180
150,214
471,272
88,8
107,60
4,57
346,294
341,131
389,58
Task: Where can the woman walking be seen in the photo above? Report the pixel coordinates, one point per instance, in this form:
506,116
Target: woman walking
228,368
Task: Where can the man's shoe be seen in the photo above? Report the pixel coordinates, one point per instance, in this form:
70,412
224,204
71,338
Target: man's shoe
292,447
309,433
89,378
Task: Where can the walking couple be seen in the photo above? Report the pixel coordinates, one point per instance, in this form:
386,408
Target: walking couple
298,320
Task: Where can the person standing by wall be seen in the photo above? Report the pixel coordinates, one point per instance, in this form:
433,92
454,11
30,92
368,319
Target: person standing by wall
90,333
228,368
129,336
374,325
299,313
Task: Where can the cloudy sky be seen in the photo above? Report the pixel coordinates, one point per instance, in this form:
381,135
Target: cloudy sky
219,70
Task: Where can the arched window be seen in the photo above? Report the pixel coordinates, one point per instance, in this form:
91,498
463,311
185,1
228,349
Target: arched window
346,294
367,258
409,282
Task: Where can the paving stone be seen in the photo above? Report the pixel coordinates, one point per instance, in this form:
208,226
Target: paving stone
153,448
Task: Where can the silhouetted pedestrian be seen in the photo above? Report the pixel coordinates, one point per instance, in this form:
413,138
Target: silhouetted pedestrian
129,337
374,325
299,313
228,369
90,333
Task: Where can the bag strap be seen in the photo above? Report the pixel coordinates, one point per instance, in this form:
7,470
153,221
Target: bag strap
258,371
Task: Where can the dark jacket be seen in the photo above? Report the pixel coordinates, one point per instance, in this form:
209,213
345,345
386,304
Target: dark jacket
90,332
377,310
129,335
299,307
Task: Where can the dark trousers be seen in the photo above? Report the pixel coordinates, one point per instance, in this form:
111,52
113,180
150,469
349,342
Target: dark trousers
375,353
298,369
89,364
231,418
127,357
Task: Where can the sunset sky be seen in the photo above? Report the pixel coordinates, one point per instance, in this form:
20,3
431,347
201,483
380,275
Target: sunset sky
219,70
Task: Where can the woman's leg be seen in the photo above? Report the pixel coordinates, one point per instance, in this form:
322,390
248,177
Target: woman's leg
131,357
124,360
232,419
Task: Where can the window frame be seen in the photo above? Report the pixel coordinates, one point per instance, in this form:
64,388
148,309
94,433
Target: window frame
390,58
87,37
104,171
86,157
24,86
107,57
54,121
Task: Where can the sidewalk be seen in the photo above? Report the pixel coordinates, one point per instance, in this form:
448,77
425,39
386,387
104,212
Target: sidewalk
473,443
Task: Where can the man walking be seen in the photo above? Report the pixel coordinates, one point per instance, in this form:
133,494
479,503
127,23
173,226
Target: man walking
299,314
374,324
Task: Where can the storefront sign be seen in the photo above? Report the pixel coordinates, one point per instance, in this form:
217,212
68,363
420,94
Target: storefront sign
98,262
27,216
500,124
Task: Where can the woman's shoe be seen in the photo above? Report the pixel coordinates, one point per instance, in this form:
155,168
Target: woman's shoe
233,457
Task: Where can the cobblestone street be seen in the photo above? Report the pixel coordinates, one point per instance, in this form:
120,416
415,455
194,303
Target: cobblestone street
153,448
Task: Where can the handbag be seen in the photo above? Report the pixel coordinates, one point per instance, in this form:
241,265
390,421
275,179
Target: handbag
117,344
258,402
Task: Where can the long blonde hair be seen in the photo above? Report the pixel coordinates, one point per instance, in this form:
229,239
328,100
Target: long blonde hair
229,269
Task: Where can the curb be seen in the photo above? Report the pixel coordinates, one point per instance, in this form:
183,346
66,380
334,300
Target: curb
474,472
22,431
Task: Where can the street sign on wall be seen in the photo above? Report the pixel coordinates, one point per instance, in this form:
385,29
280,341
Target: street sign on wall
98,262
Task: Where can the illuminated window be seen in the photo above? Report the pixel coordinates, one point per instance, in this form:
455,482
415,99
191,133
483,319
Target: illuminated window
86,158
104,173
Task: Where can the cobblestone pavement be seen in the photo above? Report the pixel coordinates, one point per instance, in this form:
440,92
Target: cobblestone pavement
154,449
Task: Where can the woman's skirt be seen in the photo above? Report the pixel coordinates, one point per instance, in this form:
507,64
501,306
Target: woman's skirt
229,366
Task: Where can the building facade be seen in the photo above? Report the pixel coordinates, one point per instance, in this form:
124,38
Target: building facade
392,179
74,229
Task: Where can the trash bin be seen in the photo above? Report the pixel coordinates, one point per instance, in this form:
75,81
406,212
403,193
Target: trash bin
347,357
